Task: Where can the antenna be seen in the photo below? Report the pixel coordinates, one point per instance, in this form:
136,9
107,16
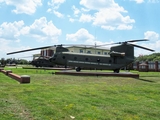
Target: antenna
95,47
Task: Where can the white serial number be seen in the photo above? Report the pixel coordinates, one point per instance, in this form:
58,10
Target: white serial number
93,63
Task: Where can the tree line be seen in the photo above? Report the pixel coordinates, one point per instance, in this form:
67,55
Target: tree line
4,61
151,57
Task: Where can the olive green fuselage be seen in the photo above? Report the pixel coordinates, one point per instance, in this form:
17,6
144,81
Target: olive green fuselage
113,61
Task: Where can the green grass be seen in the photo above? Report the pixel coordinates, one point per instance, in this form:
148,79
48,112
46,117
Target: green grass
63,97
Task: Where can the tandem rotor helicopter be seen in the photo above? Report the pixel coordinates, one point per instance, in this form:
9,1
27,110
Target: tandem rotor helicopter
119,56
42,61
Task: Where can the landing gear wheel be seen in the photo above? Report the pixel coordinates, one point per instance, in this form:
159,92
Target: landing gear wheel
116,71
78,69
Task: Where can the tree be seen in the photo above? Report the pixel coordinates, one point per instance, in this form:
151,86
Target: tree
2,61
151,57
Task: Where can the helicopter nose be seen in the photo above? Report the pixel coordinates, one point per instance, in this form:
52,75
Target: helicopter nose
52,59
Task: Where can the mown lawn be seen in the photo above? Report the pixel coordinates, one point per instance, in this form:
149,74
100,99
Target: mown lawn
64,97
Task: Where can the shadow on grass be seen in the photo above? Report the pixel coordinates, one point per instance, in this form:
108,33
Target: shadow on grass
145,80
149,76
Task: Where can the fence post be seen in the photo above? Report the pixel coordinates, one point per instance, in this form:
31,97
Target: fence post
25,79
1,69
8,71
156,66
147,66
137,64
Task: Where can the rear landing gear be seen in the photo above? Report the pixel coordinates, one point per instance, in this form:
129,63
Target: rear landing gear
116,71
78,69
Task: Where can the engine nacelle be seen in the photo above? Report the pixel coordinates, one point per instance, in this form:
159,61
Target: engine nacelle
117,54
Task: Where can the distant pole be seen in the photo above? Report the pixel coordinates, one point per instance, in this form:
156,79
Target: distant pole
95,47
95,39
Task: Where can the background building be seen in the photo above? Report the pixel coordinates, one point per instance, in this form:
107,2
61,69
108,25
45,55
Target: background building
77,49
89,50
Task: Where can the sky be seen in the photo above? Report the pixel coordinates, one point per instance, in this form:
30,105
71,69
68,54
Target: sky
26,24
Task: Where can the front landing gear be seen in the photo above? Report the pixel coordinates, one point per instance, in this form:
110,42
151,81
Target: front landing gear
116,71
78,69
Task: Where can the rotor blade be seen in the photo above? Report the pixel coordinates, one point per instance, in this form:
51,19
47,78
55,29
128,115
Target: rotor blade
105,44
29,50
76,45
137,40
123,42
95,46
46,47
142,47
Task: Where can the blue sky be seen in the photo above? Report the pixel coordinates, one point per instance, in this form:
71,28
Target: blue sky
34,23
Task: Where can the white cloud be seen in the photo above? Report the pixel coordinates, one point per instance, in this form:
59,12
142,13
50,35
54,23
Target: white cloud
58,14
107,14
9,37
151,35
108,27
7,46
25,30
11,30
71,19
96,5
42,30
54,6
84,10
13,34
81,35
124,27
23,6
111,18
55,3
154,43
49,10
86,18
76,10
4,45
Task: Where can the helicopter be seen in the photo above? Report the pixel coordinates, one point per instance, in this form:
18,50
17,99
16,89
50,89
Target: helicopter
119,56
42,61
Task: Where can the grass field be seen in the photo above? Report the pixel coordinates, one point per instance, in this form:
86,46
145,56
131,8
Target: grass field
64,97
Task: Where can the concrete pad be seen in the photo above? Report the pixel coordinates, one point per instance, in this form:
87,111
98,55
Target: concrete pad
121,74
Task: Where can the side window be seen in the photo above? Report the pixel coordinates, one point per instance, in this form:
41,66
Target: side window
105,53
89,52
81,51
99,52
